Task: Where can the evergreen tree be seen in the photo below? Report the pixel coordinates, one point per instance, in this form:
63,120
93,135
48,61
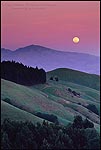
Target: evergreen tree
78,122
18,73
25,135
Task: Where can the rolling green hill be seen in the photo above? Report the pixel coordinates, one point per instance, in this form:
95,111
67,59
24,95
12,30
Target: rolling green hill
52,98
89,80
14,113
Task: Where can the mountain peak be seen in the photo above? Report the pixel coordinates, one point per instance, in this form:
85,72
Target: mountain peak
49,59
34,47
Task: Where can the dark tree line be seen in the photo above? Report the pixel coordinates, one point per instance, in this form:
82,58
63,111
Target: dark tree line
49,117
25,135
93,108
18,73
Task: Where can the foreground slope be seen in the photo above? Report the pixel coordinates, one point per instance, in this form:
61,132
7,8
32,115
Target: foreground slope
32,100
14,113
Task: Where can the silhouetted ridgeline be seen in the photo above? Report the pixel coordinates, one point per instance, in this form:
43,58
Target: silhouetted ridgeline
18,73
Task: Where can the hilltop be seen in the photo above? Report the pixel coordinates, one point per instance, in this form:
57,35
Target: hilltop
74,76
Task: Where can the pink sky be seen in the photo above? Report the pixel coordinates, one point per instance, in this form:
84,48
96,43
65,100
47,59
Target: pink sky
51,24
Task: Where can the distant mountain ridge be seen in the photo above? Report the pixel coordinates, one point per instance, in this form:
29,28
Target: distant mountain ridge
49,59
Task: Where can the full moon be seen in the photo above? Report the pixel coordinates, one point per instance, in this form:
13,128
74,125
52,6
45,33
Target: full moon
76,40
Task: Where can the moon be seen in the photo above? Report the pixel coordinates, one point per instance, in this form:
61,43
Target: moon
76,39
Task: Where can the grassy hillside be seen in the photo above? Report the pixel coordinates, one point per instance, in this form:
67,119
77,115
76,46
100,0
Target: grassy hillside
32,100
89,80
52,98
14,113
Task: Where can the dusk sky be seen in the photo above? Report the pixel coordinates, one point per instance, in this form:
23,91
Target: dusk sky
51,24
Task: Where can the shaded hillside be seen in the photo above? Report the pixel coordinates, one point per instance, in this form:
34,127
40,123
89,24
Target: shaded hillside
89,80
52,98
18,73
32,100
49,59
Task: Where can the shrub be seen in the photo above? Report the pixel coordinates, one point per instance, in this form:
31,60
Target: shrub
74,93
93,108
48,117
78,122
56,79
79,103
51,78
69,90
87,124
7,100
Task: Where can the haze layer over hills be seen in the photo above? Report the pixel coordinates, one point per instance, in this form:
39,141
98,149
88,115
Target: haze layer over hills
49,59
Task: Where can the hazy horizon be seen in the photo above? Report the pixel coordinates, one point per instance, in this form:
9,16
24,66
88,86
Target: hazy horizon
49,48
